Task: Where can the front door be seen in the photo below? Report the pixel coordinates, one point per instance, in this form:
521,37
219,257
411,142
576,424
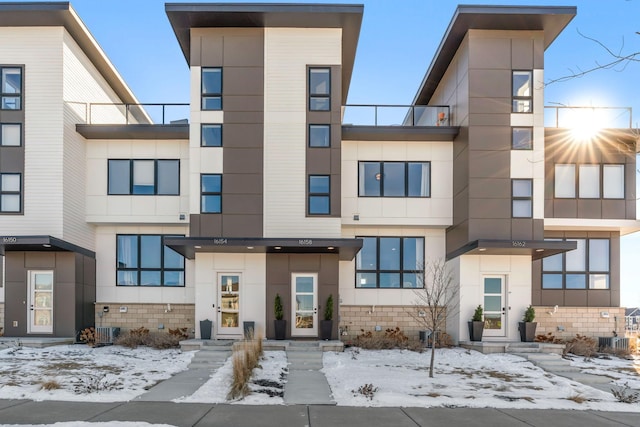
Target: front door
40,302
494,306
304,299
229,303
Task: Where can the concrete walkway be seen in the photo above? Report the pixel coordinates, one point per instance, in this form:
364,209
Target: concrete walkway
305,383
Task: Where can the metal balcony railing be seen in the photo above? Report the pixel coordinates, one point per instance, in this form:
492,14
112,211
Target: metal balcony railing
127,114
395,115
597,117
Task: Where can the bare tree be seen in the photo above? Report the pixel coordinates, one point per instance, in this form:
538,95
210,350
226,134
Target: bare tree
436,298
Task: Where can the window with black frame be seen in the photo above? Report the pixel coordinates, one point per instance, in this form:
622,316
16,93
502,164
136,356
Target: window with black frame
586,267
211,88
319,89
390,262
522,95
11,88
144,177
143,260
394,179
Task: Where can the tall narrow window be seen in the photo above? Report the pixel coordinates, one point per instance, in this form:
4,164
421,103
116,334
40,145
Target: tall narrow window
211,135
211,193
522,198
319,195
522,92
319,136
212,88
10,184
319,89
565,181
522,138
11,88
613,181
589,181
11,134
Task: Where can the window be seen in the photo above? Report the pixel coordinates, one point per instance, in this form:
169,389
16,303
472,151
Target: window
522,198
144,177
394,179
319,89
390,262
522,138
211,193
319,191
10,184
211,135
143,260
319,135
586,267
11,88
11,134
522,94
589,180
212,88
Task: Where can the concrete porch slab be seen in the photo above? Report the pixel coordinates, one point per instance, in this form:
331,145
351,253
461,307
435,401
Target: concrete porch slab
35,342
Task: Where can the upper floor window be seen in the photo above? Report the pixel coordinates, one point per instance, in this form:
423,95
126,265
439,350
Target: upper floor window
10,134
212,88
390,262
319,89
394,179
319,195
594,181
10,189
143,260
144,177
522,198
11,88
522,92
587,266
319,135
522,138
211,135
211,193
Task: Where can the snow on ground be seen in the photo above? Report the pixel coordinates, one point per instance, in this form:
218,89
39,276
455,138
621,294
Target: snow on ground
82,373
462,378
89,424
620,371
267,383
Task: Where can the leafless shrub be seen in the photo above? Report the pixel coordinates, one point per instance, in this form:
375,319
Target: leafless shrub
581,346
51,385
625,394
88,336
246,356
181,333
622,353
578,398
142,337
387,340
367,390
548,338
93,383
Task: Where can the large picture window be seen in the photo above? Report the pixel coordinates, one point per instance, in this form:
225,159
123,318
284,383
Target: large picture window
11,88
586,267
144,177
143,260
390,262
212,88
589,181
394,179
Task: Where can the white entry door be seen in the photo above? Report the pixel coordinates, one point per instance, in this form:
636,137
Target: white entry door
40,302
495,313
304,300
229,303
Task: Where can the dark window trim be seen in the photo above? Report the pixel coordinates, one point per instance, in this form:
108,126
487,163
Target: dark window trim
312,95
529,128
521,98
19,193
377,271
155,176
204,94
310,194
587,272
20,95
309,135
601,181
529,198
139,269
11,123
406,179
202,125
213,193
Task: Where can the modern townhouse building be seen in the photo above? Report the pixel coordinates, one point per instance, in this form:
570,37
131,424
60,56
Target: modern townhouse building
275,186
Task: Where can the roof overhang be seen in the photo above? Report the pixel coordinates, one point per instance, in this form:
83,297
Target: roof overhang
10,243
550,19
537,249
143,131
184,16
623,226
61,14
399,133
346,249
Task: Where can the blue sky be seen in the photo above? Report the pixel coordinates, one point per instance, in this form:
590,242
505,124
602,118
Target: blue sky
397,42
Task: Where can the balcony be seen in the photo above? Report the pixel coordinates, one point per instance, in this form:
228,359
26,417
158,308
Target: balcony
395,115
591,117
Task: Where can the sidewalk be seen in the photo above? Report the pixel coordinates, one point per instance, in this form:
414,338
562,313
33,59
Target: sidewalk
195,414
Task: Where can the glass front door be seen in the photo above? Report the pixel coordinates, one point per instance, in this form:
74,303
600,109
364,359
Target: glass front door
40,302
229,299
304,301
494,306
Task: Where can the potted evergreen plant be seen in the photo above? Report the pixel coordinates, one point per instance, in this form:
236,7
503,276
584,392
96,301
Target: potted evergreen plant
476,325
527,327
326,326
279,324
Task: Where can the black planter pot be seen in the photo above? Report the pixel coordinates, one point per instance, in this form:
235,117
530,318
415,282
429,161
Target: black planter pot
475,330
326,327
527,331
281,329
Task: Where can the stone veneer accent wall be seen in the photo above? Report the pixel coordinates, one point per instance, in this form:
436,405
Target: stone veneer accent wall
147,315
580,320
354,319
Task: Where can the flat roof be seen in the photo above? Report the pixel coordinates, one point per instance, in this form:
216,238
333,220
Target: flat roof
348,17
537,249
134,131
61,14
10,243
550,19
